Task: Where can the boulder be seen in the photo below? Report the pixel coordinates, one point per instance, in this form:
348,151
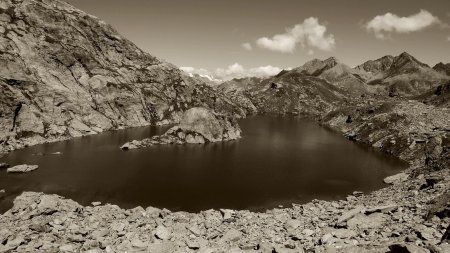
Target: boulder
363,221
350,214
22,168
231,235
162,233
397,178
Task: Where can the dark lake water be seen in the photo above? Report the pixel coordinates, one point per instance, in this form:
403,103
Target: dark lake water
279,161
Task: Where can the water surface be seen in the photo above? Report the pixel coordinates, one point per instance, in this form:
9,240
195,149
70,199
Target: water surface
279,161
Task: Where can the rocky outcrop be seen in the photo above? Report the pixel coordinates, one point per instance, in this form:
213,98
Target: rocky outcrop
197,126
397,216
414,132
22,168
65,73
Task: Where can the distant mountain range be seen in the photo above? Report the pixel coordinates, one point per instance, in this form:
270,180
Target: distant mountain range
401,75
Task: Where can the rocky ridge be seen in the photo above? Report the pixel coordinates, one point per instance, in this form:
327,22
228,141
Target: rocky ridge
402,75
442,68
336,73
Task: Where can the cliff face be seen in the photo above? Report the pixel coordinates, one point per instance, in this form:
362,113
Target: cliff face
64,73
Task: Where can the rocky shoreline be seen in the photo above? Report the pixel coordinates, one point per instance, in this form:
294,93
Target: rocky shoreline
406,215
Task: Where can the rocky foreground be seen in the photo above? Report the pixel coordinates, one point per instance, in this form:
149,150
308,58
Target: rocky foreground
405,217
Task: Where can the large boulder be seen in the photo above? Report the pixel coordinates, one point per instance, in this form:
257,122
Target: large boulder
197,126
211,126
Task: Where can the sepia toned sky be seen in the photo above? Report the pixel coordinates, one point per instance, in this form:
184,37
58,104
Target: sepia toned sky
220,37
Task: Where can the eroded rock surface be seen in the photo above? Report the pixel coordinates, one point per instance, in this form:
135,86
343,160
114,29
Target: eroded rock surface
65,73
197,126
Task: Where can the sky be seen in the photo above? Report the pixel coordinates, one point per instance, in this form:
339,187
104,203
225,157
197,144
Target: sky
236,38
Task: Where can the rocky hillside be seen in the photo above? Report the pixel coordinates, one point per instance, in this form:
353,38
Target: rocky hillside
240,84
295,93
439,96
65,73
402,75
442,68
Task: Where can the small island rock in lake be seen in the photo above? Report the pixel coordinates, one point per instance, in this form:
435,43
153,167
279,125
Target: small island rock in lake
22,168
198,125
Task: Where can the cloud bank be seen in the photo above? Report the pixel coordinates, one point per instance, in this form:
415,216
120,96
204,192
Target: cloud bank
309,34
235,70
391,23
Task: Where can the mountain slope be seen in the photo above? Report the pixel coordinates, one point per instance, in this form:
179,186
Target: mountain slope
295,93
442,68
336,73
65,73
402,75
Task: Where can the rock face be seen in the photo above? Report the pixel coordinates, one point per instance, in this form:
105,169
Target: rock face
198,125
65,73
22,168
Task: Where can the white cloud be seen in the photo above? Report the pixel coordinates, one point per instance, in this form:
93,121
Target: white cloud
235,70
308,34
195,71
247,46
389,23
310,52
238,71
448,38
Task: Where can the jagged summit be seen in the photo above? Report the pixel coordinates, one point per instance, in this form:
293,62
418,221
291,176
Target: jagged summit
406,62
376,66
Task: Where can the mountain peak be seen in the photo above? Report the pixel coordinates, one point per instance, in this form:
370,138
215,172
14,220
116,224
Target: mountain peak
405,60
405,55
